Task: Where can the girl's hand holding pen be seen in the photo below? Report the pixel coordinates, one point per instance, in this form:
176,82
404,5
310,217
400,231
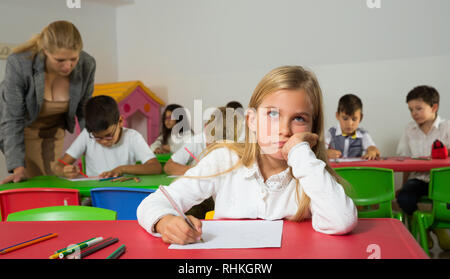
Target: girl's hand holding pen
297,138
175,230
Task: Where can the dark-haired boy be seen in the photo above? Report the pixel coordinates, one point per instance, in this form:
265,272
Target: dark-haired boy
417,140
110,149
347,139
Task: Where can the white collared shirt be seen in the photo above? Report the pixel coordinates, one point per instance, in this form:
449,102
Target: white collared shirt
414,142
243,194
130,148
365,137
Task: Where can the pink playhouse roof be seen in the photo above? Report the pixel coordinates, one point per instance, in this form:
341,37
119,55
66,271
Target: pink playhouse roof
120,90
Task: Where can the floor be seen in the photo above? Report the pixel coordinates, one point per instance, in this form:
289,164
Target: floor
436,252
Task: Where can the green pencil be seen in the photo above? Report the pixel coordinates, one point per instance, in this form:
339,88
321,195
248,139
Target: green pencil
73,246
81,246
116,254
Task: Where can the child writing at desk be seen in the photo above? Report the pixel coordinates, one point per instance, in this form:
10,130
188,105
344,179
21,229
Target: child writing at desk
185,157
110,149
417,140
347,139
279,172
170,141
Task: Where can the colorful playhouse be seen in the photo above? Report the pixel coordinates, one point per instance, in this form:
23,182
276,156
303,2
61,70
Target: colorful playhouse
139,106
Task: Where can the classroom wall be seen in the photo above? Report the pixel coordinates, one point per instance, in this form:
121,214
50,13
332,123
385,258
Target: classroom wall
218,51
20,19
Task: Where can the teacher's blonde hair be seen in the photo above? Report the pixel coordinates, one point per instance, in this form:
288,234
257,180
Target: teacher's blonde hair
57,35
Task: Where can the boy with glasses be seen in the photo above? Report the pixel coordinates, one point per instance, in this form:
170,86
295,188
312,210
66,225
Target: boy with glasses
110,149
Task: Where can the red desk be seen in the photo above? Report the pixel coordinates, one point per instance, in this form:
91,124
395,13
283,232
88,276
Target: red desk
406,165
299,241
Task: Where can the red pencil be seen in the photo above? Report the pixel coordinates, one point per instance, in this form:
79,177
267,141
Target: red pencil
64,163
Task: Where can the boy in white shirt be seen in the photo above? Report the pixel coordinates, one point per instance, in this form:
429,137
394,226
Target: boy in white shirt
110,149
417,139
347,139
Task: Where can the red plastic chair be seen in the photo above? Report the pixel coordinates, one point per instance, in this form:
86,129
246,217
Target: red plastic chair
29,198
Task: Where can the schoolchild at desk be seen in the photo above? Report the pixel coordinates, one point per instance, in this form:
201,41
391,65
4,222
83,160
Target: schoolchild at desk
186,156
170,139
281,170
417,140
347,139
110,149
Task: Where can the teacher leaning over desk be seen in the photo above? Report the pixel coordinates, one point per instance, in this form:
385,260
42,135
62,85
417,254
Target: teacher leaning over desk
47,81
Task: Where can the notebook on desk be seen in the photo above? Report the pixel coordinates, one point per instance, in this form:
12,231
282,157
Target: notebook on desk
81,178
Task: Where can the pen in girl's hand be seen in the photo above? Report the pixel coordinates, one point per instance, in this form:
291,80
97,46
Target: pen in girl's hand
175,206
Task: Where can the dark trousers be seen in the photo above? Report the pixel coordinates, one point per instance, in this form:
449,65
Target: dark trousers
409,195
199,210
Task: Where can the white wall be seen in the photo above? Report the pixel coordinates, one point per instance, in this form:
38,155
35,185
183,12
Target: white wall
20,19
217,51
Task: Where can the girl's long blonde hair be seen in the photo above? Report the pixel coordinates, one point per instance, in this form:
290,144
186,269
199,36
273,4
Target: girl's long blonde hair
283,78
58,34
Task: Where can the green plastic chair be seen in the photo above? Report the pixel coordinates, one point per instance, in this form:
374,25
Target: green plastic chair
372,190
439,217
163,158
63,213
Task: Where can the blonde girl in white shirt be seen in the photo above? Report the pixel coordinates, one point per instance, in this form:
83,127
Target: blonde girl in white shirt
280,172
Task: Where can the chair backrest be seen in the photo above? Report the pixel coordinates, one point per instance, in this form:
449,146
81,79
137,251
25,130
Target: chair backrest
28,198
439,193
163,158
120,199
370,187
63,213
209,215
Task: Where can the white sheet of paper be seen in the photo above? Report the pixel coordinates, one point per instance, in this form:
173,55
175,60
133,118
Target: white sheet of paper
237,234
81,178
342,160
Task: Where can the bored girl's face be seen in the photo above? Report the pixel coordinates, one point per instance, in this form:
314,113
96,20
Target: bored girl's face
280,115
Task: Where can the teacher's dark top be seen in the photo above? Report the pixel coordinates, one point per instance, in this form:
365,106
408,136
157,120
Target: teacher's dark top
22,95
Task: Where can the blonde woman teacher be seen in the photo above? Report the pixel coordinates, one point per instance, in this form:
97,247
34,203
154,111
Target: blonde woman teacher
47,81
